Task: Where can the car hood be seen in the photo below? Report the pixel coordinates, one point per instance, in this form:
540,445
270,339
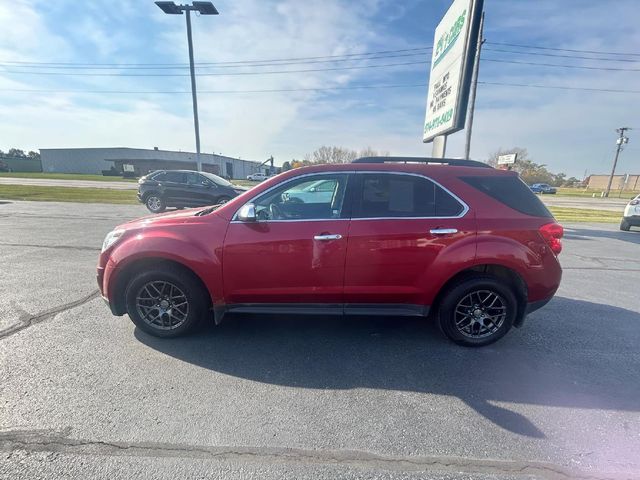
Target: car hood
168,218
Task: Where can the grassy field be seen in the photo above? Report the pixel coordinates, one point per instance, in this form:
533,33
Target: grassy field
65,176
581,192
67,194
563,214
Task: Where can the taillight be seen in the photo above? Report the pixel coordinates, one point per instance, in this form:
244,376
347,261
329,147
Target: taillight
552,234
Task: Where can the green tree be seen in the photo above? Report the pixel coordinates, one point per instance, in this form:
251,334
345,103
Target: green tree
16,152
286,166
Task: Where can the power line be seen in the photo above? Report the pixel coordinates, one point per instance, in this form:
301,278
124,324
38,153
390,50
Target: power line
268,72
279,90
538,47
584,67
201,66
559,87
347,56
271,72
576,57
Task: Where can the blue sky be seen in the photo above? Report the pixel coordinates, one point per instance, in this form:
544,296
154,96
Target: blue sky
569,130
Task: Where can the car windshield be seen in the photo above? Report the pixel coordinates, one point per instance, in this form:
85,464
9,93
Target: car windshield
216,179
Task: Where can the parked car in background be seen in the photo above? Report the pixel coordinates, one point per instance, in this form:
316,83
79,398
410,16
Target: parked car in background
258,177
184,188
314,191
631,215
467,244
543,188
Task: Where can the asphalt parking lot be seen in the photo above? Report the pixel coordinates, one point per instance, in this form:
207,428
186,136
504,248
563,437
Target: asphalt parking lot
84,394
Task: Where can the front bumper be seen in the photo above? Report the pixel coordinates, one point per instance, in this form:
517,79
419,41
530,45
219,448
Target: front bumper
633,220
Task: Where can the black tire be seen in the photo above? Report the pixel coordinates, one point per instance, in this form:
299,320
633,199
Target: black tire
181,286
463,332
222,200
155,203
624,225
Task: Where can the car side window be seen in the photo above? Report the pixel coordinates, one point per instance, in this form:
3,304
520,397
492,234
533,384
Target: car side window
299,200
400,196
195,179
175,177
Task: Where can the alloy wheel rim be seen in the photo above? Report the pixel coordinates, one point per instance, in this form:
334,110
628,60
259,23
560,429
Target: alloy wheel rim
153,203
162,305
480,314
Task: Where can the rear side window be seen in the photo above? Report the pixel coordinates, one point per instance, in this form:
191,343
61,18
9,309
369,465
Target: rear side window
512,192
397,196
176,177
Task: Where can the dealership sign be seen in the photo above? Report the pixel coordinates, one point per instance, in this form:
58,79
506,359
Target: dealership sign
454,49
507,159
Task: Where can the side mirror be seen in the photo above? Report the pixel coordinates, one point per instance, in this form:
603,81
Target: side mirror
247,213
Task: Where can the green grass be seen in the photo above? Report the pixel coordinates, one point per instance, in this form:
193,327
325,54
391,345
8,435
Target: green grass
65,176
244,183
67,194
581,192
563,214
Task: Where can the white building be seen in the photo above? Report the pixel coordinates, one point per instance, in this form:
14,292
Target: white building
95,160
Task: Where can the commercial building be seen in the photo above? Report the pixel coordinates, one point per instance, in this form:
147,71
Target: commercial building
140,161
620,182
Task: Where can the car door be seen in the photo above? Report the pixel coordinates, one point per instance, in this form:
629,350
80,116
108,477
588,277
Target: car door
400,224
199,190
175,186
293,254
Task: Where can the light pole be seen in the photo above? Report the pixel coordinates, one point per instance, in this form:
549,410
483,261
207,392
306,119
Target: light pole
620,142
205,8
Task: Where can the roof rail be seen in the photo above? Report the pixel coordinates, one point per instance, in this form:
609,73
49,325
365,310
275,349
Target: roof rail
443,161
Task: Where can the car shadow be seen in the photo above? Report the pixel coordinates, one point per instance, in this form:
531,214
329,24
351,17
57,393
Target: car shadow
585,234
561,357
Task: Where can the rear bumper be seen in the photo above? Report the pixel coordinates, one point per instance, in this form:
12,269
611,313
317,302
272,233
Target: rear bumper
533,306
530,308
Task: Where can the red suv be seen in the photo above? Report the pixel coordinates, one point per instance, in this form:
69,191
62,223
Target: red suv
459,240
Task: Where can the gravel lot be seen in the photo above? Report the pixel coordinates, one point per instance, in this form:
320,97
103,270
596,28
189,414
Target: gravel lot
84,394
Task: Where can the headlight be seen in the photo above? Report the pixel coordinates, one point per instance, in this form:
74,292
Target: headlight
111,238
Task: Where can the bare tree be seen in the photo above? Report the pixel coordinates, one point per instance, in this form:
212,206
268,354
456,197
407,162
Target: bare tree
370,152
335,154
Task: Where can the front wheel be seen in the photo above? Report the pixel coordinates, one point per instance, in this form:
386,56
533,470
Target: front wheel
477,311
166,302
625,226
155,203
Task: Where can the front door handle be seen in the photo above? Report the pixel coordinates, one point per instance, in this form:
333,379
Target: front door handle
443,231
326,237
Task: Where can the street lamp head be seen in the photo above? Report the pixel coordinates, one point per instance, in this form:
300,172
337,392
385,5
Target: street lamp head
169,8
205,8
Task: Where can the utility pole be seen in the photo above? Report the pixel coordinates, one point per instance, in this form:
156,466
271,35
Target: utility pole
620,142
474,87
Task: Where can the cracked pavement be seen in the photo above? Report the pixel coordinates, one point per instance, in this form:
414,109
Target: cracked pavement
86,395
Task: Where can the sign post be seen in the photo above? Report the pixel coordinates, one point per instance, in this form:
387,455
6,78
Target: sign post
455,44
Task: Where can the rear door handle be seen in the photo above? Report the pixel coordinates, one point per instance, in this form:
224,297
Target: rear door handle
443,231
327,237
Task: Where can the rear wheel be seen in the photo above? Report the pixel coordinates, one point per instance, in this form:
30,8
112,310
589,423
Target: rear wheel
477,311
166,302
624,225
155,203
